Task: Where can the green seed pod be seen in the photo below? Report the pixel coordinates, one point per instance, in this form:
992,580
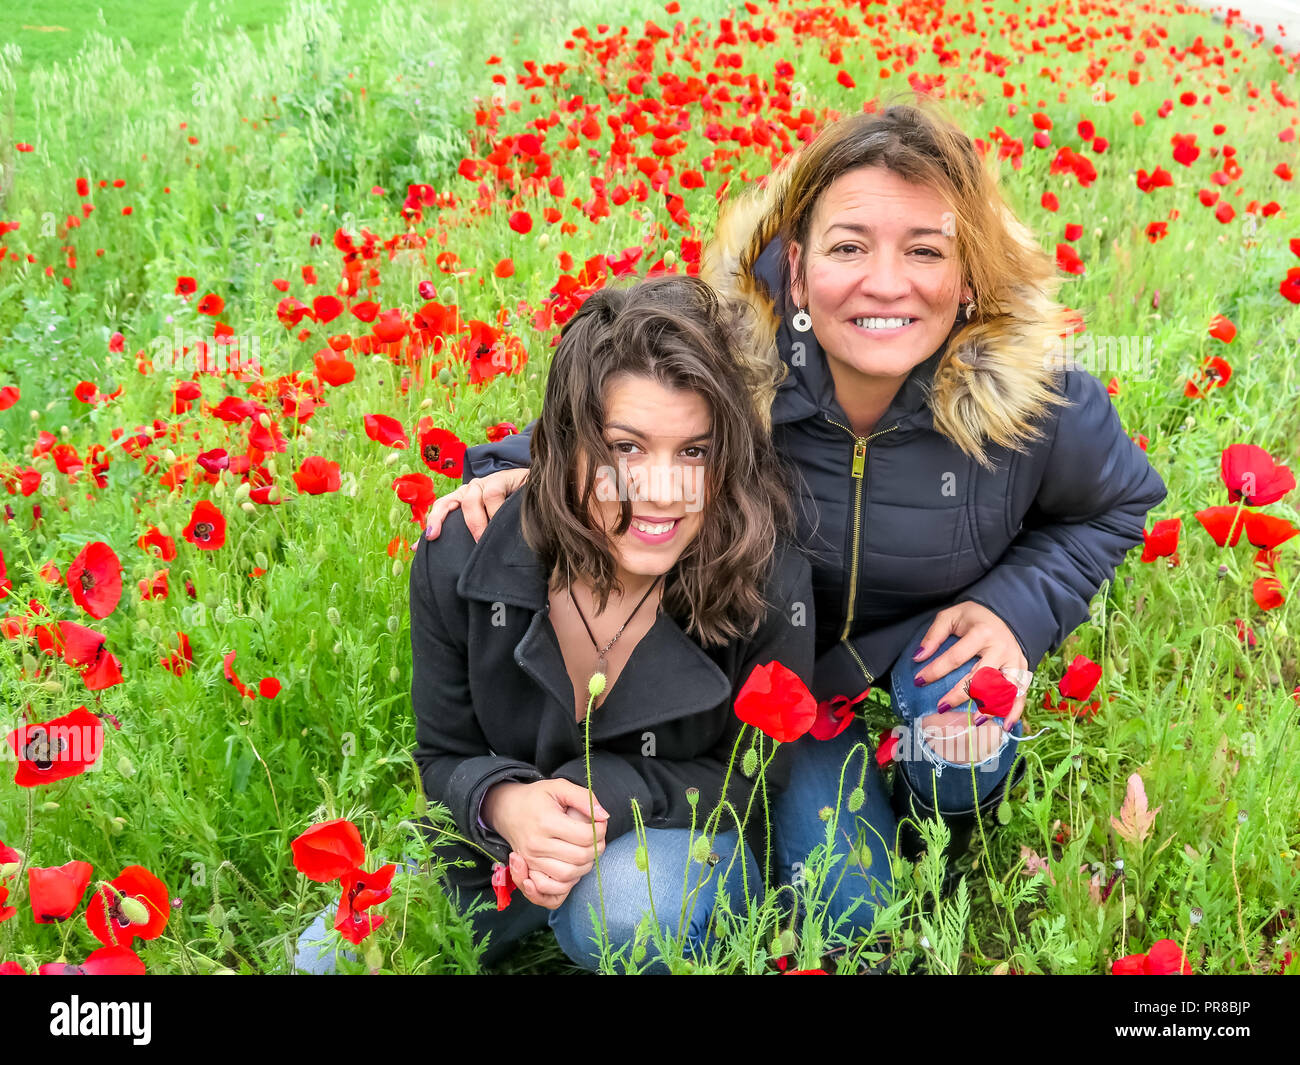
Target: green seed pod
217,915
445,377
393,624
596,685
226,939
117,826
260,560
133,909
856,798
247,507
397,567
49,807
333,617
749,763
125,767
693,797
394,674
219,489
784,943
337,649
1004,813
700,849
641,859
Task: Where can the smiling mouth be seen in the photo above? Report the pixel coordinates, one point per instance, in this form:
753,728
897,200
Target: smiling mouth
655,528
882,324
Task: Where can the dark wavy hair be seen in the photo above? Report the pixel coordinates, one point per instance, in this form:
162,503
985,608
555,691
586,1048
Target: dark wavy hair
679,332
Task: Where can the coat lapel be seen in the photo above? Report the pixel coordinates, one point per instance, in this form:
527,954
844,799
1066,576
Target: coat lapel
668,675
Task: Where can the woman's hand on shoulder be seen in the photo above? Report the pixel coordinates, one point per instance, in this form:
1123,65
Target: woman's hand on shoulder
478,501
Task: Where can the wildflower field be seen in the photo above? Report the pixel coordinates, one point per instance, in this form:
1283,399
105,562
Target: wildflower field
256,299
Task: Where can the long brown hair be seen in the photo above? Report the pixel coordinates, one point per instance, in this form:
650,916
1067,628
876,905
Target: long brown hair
679,332
993,383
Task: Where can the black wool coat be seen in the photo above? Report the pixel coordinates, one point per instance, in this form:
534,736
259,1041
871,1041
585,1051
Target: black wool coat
493,700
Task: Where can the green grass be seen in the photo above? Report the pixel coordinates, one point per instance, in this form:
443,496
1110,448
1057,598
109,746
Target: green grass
207,789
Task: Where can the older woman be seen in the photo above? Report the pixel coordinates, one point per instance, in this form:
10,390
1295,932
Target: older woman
962,493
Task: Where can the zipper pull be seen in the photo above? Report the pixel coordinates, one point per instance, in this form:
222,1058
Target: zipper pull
859,458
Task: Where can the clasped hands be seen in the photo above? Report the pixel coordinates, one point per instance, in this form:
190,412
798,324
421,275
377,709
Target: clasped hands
549,827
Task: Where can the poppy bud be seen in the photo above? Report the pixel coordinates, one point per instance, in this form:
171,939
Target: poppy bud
856,798
307,432
30,665
444,376
641,859
392,457
125,767
784,942
693,797
543,240
133,909
169,454
700,849
320,554
397,567
260,560
270,467
242,491
596,684
426,403
1223,571
117,826
36,415
247,507
393,624
49,807
64,431
825,813
264,420
219,489
337,649
374,957
333,617
217,915
670,259
393,674
749,764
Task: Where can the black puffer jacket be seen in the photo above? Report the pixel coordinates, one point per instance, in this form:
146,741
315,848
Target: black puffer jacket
902,523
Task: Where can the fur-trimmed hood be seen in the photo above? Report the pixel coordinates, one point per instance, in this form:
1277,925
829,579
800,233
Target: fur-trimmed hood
991,382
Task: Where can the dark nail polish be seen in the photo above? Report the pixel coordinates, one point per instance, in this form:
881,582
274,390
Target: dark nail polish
920,654
919,682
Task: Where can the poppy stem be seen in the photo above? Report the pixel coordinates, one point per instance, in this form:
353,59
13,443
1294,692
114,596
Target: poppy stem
591,809
20,881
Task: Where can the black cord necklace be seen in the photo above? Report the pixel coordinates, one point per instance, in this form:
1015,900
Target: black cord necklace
602,664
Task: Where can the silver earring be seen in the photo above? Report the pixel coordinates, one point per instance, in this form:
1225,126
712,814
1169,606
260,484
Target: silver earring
970,309
801,321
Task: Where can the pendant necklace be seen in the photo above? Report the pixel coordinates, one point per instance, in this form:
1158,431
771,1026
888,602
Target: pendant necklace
602,664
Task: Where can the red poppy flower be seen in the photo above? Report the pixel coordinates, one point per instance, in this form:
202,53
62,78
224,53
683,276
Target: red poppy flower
213,461
228,667
387,431
1222,328
211,304
326,308
361,890
5,913
186,286
502,884
1185,149
417,490
9,395
268,687
6,585
1268,593
1050,201
95,580
317,476
834,715
1251,474
1262,530
1068,259
136,903
57,749
156,544
886,748
1073,231
1224,524
521,222
501,430
207,527
992,692
333,368
1214,373
1080,678
775,701
328,850
56,893
1165,958
443,452
180,660
106,961
1245,633
1289,287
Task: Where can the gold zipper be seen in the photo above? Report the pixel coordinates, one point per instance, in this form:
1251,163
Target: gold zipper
859,475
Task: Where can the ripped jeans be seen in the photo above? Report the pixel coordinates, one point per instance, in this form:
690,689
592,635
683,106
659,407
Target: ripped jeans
815,772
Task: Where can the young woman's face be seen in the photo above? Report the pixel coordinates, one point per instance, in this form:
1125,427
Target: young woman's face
659,438
879,248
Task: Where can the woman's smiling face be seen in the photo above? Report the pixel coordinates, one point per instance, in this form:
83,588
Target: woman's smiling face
879,248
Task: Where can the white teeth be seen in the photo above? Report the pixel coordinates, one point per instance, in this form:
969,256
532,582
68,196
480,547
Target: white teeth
880,323
654,530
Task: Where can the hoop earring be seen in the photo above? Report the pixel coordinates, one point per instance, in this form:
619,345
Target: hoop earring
970,309
801,321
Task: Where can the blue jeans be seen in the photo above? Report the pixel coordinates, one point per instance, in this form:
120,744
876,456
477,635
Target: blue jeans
815,770
627,892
